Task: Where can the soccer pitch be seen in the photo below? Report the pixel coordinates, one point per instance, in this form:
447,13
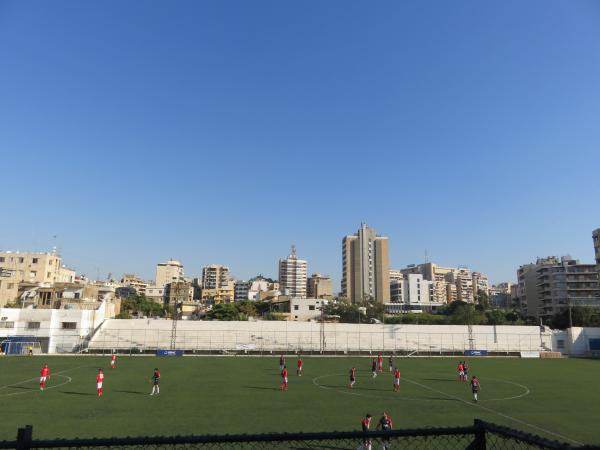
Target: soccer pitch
554,398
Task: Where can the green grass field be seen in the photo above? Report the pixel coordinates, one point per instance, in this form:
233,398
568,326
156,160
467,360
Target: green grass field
216,395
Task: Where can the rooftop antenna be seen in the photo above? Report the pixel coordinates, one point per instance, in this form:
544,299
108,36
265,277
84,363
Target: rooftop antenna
293,254
426,257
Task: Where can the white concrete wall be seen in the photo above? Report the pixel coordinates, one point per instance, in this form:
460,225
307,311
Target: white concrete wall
575,341
305,336
51,320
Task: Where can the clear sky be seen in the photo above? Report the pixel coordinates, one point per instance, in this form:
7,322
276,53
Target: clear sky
224,131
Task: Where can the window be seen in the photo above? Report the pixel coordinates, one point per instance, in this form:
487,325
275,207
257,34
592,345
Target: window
311,307
33,273
33,325
69,325
11,285
295,307
1,258
49,274
560,343
77,295
7,324
35,260
21,260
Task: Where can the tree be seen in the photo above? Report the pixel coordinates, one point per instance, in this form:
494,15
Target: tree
247,308
495,317
467,315
139,303
483,299
223,311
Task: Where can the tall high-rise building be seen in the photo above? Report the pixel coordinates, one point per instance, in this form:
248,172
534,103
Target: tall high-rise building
366,271
168,272
215,276
292,275
319,286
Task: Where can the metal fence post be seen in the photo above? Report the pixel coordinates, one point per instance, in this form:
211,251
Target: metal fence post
24,437
479,443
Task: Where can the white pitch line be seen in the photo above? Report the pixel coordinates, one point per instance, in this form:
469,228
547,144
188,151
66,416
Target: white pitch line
506,416
36,378
69,379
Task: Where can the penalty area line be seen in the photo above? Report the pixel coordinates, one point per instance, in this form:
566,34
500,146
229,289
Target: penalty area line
485,408
68,380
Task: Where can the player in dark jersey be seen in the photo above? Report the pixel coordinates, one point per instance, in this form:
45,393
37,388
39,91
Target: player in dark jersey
466,370
352,377
155,382
475,387
281,363
385,424
365,424
391,363
374,367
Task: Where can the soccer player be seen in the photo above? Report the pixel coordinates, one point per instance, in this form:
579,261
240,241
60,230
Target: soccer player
396,380
475,387
385,424
44,374
380,363
353,377
30,350
284,379
391,363
299,368
113,361
155,382
99,381
461,371
281,362
374,367
365,424
466,370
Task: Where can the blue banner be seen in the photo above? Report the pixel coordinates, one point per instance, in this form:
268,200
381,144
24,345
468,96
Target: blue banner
476,352
169,352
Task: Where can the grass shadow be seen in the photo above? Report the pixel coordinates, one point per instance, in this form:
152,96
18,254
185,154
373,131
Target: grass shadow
262,388
132,392
76,393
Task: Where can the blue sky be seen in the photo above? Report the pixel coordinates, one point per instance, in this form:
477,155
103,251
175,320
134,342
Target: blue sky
224,131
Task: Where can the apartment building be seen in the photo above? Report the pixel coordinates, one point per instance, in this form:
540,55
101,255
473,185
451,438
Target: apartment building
215,276
596,238
292,275
365,266
132,281
412,293
500,295
319,286
168,272
29,267
551,284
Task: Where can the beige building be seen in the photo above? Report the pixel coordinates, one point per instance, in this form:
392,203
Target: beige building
16,267
134,282
215,276
292,275
319,286
365,266
168,272
222,294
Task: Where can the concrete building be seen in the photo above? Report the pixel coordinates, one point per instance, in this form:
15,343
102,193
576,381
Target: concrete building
292,275
596,238
396,275
130,280
156,293
442,291
411,294
319,286
240,290
168,272
298,309
365,266
178,293
550,285
215,276
500,295
225,293
480,283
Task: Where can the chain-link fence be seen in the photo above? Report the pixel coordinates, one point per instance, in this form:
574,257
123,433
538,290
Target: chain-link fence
480,436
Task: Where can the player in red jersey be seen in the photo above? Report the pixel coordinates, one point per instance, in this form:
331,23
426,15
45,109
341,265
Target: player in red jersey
299,368
284,379
99,381
396,380
113,361
44,374
379,363
461,371
365,424
475,387
352,377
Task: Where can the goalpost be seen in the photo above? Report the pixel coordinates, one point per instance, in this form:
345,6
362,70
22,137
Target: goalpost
20,348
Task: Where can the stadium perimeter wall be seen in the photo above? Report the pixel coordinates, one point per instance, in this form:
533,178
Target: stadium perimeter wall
278,336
